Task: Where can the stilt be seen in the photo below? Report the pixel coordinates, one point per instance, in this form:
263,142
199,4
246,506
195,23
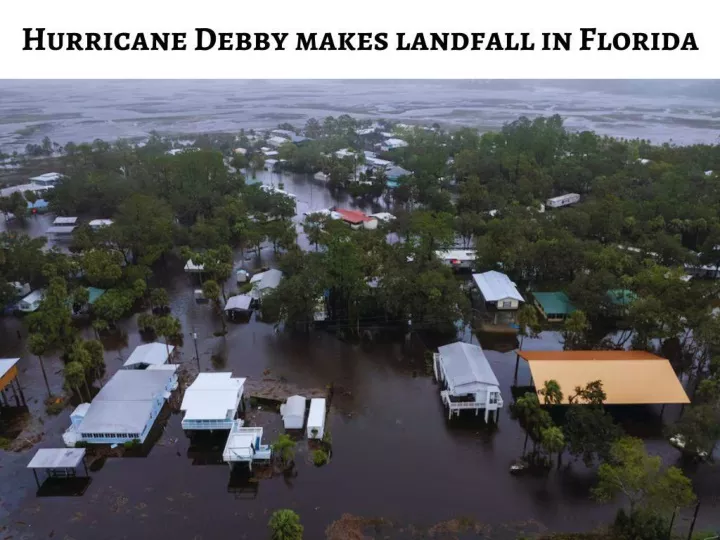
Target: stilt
517,363
22,396
4,398
487,414
85,465
449,412
476,411
36,478
662,410
15,394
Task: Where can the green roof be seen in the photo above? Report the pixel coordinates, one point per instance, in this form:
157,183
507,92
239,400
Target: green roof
94,294
555,303
621,297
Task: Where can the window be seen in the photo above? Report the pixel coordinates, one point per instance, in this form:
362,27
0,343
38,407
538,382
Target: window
493,397
506,304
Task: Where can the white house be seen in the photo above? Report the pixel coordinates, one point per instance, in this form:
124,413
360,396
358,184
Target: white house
321,176
562,200
458,258
316,419
392,143
32,301
149,354
125,409
99,223
500,296
276,141
212,401
47,179
244,445
238,304
264,282
293,412
468,380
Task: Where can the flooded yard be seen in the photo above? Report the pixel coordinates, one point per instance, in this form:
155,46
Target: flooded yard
395,455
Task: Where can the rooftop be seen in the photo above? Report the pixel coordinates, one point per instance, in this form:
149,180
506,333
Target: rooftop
61,229
466,368
65,221
240,302
267,280
621,297
212,396
149,354
57,458
619,371
6,364
556,303
352,216
496,286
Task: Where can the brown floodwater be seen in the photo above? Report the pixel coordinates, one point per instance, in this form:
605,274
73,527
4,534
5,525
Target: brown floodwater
395,455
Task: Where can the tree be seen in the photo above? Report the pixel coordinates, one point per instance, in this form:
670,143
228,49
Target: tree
74,375
143,227
285,525
38,346
97,357
102,268
314,226
168,327
641,479
698,430
529,325
80,355
285,447
113,305
552,441
532,417
575,330
551,393
146,322
159,299
589,433
53,319
211,291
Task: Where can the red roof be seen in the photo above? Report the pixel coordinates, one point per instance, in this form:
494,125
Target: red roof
353,216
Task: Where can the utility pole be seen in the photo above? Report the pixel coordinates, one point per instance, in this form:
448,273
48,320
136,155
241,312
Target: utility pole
197,354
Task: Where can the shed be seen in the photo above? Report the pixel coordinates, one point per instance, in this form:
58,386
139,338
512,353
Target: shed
8,371
32,301
316,419
554,306
238,304
94,294
293,412
497,288
98,223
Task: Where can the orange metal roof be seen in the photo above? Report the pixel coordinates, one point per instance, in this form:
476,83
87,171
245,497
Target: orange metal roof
628,377
352,216
532,356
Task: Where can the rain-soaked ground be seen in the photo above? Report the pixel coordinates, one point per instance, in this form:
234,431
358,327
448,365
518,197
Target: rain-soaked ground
395,456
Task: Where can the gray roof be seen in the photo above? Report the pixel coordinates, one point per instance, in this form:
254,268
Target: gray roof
61,229
57,458
466,368
133,385
149,354
268,280
117,416
240,302
496,286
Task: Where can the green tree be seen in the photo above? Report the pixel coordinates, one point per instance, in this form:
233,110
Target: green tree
38,346
641,479
74,375
314,226
168,327
102,268
146,322
159,299
551,393
552,441
285,525
211,291
113,305
285,447
532,417
575,329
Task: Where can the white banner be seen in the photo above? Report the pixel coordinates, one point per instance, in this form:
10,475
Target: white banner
372,39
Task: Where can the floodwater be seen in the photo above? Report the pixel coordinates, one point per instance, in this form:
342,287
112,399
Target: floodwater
395,456
683,112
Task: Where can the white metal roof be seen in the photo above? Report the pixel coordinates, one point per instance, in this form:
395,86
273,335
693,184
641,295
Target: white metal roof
163,367
47,177
125,403
294,406
100,222
466,368
267,280
496,286
150,353
6,364
211,396
65,220
61,229
57,458
34,296
81,410
457,254
240,443
190,266
316,417
240,302
383,216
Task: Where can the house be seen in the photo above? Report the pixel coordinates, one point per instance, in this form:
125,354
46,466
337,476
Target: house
32,301
392,144
61,230
8,380
562,200
22,188
270,164
553,306
270,153
212,401
277,141
500,297
293,412
150,354
385,217
321,176
468,382
265,282
241,151
644,161
316,418
47,180
278,191
244,445
345,153
125,409
357,219
99,223
458,258
238,304
192,268
628,377
394,173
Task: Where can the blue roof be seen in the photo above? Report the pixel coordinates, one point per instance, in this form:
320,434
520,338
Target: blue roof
40,203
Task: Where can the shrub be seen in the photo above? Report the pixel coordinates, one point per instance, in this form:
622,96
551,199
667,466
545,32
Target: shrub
285,525
245,288
320,457
81,444
55,405
4,443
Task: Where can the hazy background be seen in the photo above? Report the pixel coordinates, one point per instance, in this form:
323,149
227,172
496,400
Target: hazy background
682,112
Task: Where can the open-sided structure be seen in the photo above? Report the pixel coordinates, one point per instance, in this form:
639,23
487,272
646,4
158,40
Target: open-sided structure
58,462
628,377
150,354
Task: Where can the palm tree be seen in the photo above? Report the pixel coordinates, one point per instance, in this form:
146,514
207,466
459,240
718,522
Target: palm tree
531,417
575,329
285,525
211,291
80,355
168,327
527,318
551,393
553,441
38,346
74,374
284,446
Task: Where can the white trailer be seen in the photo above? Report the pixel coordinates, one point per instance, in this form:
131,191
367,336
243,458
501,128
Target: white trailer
316,419
562,200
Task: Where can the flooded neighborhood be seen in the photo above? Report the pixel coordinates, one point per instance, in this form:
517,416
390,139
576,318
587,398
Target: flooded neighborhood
385,298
